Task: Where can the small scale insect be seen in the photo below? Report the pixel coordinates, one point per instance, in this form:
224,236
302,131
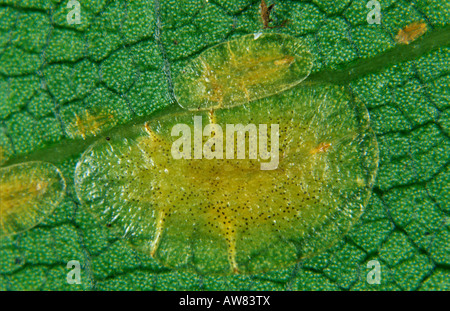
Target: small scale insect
242,70
29,192
87,124
411,32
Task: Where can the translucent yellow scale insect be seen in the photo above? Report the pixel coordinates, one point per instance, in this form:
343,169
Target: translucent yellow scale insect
87,124
29,192
411,32
229,215
242,70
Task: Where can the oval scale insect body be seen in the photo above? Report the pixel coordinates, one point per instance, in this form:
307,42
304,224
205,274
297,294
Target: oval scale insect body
228,215
29,192
242,70
411,32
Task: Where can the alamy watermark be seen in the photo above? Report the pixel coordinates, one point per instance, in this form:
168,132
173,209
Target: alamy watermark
74,275
374,16
213,148
74,15
374,275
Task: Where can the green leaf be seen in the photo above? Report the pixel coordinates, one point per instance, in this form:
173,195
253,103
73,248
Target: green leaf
120,63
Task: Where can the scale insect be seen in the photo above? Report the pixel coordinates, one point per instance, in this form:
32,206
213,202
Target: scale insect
225,216
241,71
86,124
411,32
29,192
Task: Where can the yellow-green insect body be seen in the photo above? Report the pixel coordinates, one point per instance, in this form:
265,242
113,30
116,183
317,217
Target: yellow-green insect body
228,215
29,192
242,70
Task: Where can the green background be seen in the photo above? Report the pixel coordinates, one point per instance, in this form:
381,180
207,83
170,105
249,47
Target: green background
124,56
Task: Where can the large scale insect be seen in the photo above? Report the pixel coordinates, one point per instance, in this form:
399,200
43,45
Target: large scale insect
225,214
